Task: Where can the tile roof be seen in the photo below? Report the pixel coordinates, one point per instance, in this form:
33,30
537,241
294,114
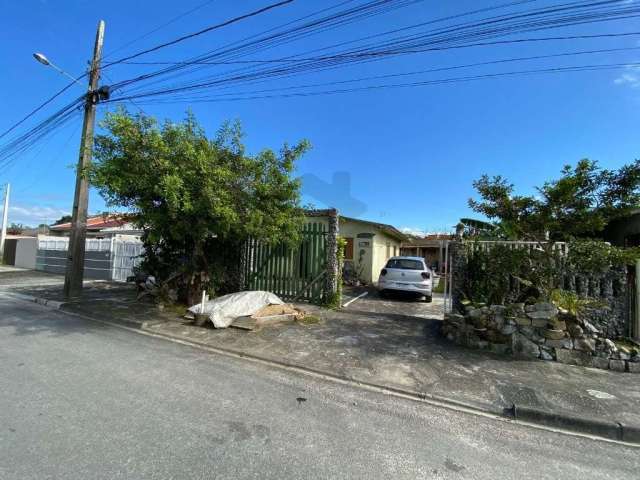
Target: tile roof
97,222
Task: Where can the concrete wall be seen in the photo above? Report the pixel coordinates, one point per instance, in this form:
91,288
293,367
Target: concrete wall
26,251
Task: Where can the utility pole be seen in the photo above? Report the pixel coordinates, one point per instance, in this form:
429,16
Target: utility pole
75,255
5,217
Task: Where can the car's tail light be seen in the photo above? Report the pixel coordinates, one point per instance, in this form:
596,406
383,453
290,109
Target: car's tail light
426,275
383,272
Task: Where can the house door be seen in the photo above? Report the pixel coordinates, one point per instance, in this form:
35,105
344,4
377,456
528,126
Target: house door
348,250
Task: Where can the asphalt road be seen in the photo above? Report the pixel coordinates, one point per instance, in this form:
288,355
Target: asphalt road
80,400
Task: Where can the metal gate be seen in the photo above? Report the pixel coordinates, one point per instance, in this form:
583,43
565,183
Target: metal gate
296,272
126,256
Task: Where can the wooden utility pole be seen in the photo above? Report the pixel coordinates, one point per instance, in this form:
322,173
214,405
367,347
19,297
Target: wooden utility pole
5,218
75,255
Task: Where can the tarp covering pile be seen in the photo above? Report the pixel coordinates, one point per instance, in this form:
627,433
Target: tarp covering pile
224,310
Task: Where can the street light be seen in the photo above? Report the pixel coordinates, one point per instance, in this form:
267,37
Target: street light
45,61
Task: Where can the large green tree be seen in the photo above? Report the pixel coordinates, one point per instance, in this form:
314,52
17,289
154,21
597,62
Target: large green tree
197,198
577,205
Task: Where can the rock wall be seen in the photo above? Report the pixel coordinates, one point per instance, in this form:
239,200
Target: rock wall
542,331
609,288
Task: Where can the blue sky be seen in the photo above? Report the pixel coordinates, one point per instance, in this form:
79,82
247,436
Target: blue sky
405,156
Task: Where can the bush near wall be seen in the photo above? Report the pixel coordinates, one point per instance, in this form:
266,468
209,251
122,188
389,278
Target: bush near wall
544,302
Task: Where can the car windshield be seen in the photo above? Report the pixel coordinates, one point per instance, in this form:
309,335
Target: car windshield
405,264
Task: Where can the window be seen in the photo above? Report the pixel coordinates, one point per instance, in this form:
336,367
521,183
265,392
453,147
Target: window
405,264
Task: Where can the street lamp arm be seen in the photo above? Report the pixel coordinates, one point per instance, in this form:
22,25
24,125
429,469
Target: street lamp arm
45,61
65,73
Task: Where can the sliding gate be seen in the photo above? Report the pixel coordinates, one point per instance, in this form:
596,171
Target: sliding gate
292,273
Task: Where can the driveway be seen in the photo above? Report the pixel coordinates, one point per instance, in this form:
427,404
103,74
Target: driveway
398,303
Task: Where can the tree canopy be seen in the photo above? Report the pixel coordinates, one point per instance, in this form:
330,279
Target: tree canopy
577,205
188,191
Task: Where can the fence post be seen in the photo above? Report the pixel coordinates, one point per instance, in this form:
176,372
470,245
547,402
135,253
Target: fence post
331,284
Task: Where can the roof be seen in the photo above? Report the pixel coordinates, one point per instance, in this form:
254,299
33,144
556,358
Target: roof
427,241
97,223
388,229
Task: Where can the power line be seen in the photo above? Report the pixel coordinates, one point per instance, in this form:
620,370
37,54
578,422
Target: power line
426,42
433,49
37,109
578,68
159,27
421,72
200,32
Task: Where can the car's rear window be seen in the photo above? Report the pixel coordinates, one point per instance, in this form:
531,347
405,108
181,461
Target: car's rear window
405,264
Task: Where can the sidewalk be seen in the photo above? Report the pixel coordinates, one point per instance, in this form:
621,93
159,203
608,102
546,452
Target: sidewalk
390,345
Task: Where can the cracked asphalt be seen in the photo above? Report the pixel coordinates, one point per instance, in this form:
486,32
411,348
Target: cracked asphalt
81,400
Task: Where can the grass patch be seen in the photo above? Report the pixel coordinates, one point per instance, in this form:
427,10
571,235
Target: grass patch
175,308
308,320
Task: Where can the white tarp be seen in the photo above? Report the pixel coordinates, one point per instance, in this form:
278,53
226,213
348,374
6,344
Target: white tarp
224,310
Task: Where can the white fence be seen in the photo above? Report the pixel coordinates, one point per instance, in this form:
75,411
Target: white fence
126,256
485,245
107,258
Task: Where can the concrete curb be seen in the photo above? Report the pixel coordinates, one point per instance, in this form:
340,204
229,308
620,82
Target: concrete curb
591,426
603,429
53,304
532,416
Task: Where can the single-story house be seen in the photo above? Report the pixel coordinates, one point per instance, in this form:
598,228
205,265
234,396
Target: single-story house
100,227
368,245
432,248
624,232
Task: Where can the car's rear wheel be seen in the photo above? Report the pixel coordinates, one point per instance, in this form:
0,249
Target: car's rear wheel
428,299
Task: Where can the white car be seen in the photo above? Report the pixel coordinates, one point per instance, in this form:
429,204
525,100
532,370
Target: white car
406,274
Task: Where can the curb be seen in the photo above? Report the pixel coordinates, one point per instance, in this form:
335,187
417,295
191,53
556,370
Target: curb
53,304
531,416
602,429
591,426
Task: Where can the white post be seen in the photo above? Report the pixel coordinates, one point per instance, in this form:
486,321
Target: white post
5,215
446,271
204,293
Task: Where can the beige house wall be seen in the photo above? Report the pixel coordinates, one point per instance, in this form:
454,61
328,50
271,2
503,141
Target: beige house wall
385,247
362,247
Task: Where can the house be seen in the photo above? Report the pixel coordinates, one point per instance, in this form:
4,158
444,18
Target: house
431,247
20,251
368,245
101,227
624,232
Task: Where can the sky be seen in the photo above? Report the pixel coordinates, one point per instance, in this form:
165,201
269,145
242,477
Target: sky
403,156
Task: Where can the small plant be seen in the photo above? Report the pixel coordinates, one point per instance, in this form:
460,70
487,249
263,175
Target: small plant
572,303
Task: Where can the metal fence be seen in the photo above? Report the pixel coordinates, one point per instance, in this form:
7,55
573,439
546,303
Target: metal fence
296,272
105,258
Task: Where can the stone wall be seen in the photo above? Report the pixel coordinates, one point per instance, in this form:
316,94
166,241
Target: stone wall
542,331
608,288
333,269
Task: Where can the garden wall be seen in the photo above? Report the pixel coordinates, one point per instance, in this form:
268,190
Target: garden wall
609,288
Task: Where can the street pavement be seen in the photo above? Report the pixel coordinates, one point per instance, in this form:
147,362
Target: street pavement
84,400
